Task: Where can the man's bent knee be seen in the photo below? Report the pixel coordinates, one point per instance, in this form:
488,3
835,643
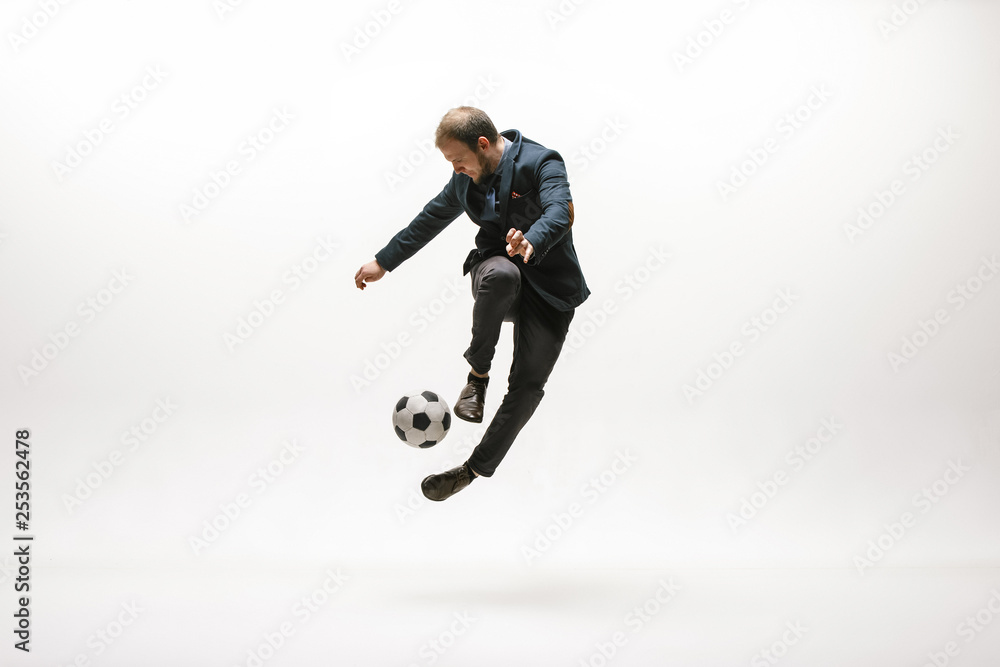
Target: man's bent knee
501,275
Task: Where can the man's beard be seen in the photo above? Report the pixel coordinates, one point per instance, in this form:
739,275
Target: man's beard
486,169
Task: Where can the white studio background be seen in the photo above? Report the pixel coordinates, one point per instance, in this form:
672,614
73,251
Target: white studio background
825,169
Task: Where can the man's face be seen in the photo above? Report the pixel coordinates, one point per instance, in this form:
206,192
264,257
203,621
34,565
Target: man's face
474,164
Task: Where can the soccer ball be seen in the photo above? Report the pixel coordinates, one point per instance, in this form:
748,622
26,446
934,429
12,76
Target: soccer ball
421,419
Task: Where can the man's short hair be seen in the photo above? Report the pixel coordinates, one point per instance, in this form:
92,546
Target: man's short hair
466,124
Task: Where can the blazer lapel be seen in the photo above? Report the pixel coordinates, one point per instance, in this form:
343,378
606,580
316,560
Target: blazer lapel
507,178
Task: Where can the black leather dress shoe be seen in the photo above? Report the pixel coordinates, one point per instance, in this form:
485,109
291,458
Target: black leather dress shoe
446,484
469,406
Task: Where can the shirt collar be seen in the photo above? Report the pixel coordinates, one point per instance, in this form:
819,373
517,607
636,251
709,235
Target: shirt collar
507,143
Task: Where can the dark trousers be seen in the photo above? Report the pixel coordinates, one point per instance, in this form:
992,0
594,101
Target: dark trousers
539,331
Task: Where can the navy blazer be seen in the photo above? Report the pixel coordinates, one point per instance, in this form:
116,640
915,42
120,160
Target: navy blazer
533,197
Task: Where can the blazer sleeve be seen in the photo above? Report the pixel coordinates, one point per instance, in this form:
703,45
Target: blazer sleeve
556,203
436,215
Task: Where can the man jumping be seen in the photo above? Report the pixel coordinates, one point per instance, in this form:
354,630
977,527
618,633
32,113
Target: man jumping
524,270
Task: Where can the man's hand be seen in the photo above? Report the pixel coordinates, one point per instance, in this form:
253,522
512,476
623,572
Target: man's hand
368,273
518,245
